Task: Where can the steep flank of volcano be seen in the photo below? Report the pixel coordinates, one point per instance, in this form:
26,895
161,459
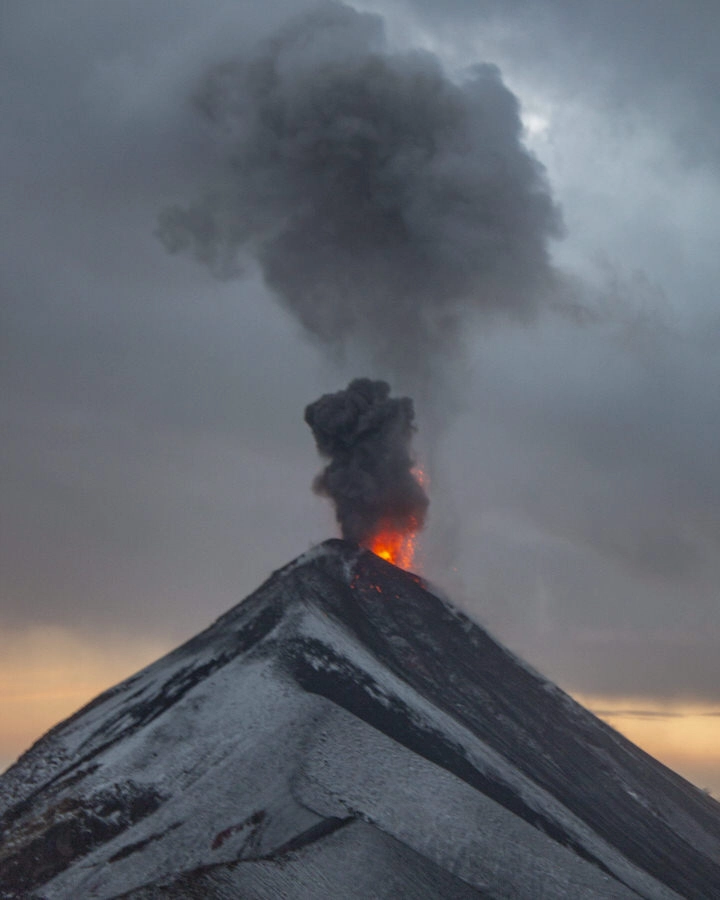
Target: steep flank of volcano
346,732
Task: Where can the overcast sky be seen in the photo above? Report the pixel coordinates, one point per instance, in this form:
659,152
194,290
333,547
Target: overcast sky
155,463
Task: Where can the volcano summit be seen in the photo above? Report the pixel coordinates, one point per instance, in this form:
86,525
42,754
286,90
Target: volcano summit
343,732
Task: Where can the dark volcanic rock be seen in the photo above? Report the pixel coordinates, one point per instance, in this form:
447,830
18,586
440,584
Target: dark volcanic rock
345,732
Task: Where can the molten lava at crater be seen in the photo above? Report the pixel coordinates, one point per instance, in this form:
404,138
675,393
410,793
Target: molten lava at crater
396,544
395,548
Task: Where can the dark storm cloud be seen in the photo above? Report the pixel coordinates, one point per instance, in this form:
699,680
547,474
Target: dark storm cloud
366,435
656,60
383,201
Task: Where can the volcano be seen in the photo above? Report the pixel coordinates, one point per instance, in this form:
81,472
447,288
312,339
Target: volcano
344,732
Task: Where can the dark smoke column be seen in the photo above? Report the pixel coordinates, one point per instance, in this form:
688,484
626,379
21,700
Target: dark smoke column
366,435
386,204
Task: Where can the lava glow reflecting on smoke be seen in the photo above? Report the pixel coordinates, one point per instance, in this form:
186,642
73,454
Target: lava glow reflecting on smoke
398,545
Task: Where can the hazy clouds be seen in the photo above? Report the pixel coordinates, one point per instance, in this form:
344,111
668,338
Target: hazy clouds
155,462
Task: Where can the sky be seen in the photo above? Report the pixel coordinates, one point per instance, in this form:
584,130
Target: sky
155,462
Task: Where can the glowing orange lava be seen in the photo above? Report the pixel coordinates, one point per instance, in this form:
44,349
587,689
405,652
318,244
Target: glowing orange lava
398,545
394,546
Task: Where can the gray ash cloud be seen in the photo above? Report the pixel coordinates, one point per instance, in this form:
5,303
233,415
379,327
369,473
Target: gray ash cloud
366,435
384,202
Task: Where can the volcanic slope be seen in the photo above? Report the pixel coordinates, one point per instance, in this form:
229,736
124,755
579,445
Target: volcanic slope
343,732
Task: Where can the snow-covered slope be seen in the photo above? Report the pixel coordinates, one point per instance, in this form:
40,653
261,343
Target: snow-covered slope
343,732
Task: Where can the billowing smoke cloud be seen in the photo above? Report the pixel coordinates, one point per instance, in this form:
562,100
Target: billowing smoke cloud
366,435
383,201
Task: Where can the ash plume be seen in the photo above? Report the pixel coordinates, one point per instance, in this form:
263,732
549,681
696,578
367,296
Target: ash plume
366,435
384,202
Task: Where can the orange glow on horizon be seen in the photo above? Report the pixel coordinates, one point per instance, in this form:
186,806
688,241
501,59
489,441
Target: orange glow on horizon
49,672
682,734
